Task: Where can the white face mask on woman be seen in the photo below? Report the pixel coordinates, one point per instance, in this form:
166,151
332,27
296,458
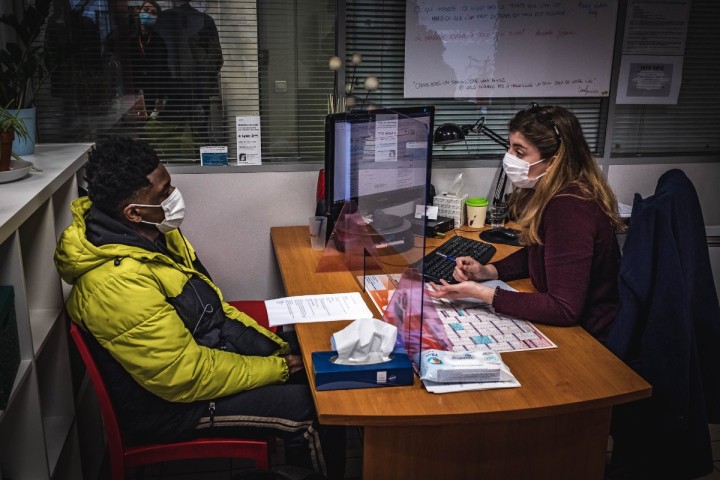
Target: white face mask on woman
517,171
173,207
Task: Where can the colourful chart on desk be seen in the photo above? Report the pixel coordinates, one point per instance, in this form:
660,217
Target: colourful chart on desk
380,288
461,327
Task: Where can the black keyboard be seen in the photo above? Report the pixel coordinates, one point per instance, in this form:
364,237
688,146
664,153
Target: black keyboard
436,266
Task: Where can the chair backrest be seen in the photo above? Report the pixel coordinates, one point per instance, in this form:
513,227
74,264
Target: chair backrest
254,309
121,456
112,428
667,329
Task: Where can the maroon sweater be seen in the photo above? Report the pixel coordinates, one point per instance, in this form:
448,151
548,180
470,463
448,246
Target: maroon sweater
574,269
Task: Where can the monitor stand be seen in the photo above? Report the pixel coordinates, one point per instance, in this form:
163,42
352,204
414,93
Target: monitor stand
394,233
385,221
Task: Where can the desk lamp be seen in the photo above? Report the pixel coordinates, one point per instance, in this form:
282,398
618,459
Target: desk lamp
451,133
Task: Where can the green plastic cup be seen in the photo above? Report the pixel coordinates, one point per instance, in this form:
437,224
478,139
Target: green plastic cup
476,211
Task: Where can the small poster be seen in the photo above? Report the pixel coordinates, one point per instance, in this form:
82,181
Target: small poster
386,134
214,155
649,79
248,140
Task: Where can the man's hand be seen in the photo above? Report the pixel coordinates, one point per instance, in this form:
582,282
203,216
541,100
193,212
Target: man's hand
294,363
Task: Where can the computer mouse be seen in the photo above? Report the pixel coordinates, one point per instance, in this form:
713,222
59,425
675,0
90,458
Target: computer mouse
504,235
507,233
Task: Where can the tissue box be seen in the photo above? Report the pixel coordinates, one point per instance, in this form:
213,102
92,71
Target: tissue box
9,346
331,376
452,206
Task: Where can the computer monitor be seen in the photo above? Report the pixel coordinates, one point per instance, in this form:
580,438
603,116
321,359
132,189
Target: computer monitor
378,159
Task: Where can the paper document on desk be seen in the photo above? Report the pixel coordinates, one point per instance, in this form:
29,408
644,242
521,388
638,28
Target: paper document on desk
434,387
380,288
316,308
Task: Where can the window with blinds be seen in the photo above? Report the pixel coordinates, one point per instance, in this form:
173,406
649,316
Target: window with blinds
120,76
376,28
179,77
692,127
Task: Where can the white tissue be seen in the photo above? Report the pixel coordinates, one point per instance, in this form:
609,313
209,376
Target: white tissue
457,185
364,342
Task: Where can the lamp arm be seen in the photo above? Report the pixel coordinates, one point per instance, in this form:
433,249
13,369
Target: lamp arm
499,188
480,127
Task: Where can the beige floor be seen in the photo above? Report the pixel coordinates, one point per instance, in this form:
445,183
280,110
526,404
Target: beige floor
225,469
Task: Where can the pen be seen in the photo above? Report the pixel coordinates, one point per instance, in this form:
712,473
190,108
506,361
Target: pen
447,257
389,244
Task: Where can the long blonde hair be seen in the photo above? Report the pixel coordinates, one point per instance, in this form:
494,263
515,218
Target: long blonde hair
557,133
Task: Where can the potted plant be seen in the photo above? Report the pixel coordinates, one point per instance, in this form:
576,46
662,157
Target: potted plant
11,125
23,70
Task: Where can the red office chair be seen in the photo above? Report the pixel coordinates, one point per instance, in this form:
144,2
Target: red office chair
123,456
255,309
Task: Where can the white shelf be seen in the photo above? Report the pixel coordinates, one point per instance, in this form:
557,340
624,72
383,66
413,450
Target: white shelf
41,323
37,435
20,378
57,430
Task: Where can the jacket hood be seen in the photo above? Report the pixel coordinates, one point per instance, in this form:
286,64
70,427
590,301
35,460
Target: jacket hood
95,238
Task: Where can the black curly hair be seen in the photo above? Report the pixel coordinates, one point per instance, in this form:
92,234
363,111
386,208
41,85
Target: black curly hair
117,169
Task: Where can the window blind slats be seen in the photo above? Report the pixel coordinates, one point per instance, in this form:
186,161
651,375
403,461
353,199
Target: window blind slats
377,30
275,55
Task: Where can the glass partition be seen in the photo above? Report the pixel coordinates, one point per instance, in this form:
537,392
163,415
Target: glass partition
381,166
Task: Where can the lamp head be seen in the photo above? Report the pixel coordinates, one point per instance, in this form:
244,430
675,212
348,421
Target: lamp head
448,133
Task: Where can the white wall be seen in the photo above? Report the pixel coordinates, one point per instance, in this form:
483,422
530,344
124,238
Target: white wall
229,215
626,180
228,220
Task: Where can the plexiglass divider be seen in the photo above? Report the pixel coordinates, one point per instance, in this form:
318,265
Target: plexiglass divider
377,237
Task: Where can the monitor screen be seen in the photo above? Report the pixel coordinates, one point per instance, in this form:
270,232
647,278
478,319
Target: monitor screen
378,158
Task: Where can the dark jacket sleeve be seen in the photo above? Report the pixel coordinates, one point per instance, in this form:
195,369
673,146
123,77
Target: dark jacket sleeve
513,266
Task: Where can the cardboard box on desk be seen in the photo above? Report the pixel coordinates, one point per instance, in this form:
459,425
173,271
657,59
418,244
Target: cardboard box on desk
451,206
396,372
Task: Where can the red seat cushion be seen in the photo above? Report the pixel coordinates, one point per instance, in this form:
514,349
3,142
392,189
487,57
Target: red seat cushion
255,309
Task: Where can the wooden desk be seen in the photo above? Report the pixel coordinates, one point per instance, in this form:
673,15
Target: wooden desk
555,426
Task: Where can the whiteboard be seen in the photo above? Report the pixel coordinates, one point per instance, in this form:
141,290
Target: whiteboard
486,48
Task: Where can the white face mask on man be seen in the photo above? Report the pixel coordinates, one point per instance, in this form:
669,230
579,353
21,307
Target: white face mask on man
517,171
173,207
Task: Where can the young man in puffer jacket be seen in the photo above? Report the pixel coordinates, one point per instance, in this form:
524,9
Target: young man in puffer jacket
178,360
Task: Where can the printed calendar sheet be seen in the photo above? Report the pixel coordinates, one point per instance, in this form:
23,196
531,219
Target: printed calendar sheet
461,325
466,326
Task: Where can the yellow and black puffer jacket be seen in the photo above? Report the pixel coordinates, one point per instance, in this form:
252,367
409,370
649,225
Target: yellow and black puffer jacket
124,293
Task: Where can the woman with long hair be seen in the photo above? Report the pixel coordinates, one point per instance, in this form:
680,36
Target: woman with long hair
567,215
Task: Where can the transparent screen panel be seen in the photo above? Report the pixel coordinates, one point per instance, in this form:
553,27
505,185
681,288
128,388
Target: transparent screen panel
378,236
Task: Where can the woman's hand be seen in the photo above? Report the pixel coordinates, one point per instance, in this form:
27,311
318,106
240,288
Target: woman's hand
467,268
461,290
294,363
